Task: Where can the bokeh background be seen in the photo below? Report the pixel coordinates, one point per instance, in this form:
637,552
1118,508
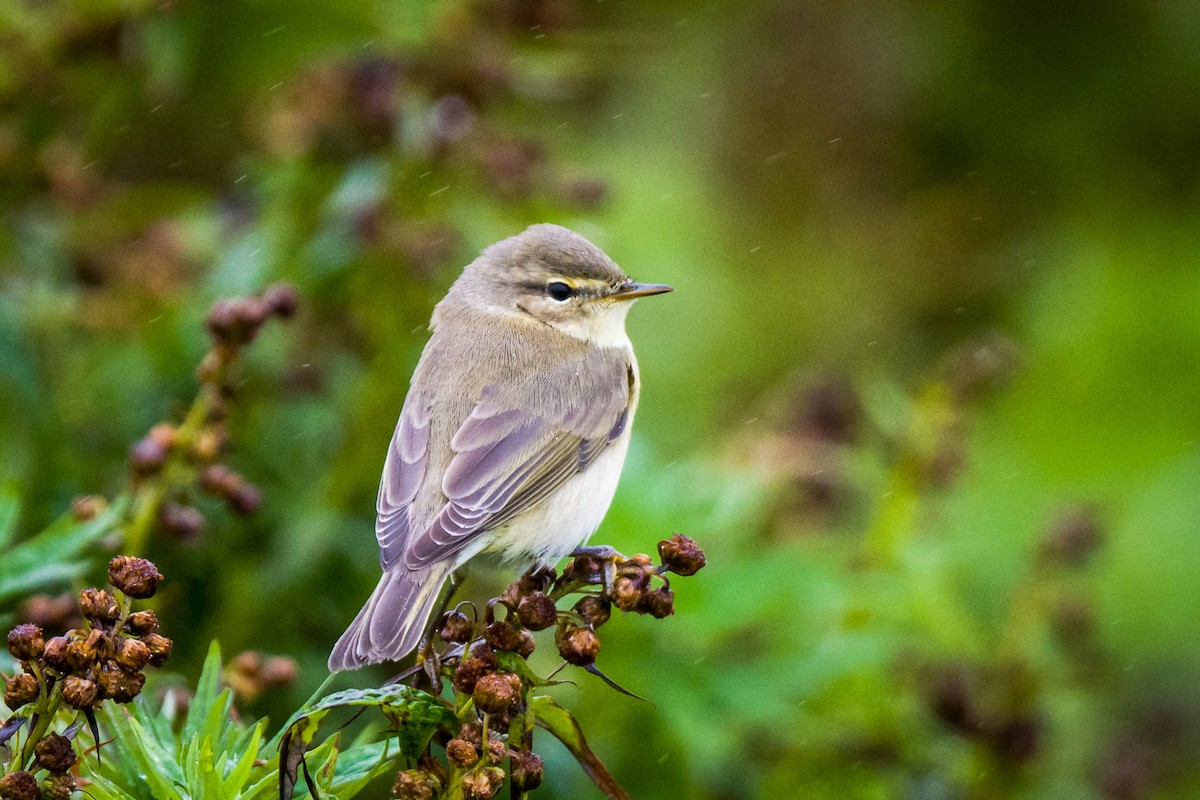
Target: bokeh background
926,393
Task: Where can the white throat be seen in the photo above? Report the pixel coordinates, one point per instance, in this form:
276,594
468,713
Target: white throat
606,329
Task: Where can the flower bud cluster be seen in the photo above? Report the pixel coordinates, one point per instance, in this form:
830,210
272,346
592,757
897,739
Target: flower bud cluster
478,659
103,659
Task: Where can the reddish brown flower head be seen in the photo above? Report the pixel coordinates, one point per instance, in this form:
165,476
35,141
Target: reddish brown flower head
25,642
79,692
136,577
119,685
594,610
413,784
456,627
19,786
578,646
681,555
20,690
658,603
55,753
55,654
98,605
132,654
537,611
87,507
502,636
482,784
141,623
527,770
497,692
626,594
58,787
480,662
282,299
461,753
147,457
160,648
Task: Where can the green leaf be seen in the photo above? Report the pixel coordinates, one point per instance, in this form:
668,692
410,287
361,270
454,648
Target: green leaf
549,715
49,558
10,510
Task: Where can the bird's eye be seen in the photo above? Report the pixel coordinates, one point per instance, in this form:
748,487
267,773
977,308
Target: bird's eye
559,291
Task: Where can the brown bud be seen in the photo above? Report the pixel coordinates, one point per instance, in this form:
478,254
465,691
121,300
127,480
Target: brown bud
497,692
585,569
182,522
160,648
282,299
58,787
222,321
136,577
55,753
482,784
501,635
132,654
1073,537
594,609
217,479
81,654
414,784
98,605
471,732
147,457
527,770
681,555
55,655
21,689
87,507
141,623
119,685
456,627
658,603
245,499
251,313
537,611
19,786
497,751
586,193
79,692
51,614
278,671
208,444
461,753
626,594
481,662
25,642
526,644
577,646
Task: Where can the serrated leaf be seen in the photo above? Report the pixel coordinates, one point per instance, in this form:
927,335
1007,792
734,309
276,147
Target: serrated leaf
548,714
208,689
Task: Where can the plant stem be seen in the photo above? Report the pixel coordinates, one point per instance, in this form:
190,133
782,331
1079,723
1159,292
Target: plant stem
47,707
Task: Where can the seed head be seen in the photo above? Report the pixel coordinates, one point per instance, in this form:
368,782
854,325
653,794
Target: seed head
182,522
87,507
497,692
141,623
456,627
576,645
594,609
537,611
282,299
132,654
501,635
163,434
246,499
80,692
55,753
413,784
461,753
98,605
55,655
527,770
526,644
119,685
658,603
19,786
481,662
136,577
160,648
482,784
58,787
681,555
626,594
147,457
25,642
20,690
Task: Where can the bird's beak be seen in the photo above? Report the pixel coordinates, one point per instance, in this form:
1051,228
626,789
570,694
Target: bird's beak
632,291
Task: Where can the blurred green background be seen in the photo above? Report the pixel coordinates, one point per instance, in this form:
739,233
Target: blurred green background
934,342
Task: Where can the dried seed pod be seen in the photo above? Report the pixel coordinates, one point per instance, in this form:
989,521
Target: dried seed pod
245,499
19,786
25,642
482,661
526,644
497,751
658,603
119,685
594,609
578,646
501,635
278,671
537,611
497,692
55,753
182,522
626,594
136,577
55,654
414,784
98,605
461,753
456,627
141,623
681,555
20,690
132,654
147,457
87,507
58,787
79,692
160,648
282,299
527,770
482,784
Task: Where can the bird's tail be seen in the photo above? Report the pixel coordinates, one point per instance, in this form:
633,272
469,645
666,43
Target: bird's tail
390,625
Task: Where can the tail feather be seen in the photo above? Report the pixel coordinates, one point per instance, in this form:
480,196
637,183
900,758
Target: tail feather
390,625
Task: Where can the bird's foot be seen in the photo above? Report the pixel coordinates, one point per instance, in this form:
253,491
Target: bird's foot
608,557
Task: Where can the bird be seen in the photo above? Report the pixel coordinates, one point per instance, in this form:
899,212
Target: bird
513,434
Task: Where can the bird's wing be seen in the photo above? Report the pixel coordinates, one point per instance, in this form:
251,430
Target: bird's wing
506,458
